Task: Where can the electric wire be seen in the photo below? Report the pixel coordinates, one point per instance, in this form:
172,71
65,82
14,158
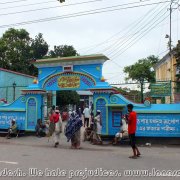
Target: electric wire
81,13
22,23
135,28
128,44
158,49
163,52
114,76
10,2
177,25
139,38
140,29
24,5
107,41
47,8
127,28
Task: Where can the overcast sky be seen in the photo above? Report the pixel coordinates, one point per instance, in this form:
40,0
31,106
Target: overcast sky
123,30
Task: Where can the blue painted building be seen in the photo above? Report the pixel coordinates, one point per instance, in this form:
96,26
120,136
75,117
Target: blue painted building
11,83
85,73
154,120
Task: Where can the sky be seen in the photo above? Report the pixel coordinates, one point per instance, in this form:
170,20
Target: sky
123,30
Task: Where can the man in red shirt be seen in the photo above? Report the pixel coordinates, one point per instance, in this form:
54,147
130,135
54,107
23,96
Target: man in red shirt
55,118
132,121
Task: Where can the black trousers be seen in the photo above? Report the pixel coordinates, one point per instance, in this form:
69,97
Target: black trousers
132,138
86,122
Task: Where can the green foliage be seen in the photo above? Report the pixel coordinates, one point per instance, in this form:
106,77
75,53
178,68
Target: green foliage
133,95
39,47
17,49
63,51
176,52
67,97
15,45
61,1
142,69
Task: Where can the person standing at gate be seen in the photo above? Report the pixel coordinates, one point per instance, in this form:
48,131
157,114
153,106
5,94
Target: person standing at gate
132,123
86,113
56,119
97,127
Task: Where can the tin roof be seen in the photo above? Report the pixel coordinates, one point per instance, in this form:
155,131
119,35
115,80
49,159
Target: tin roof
18,73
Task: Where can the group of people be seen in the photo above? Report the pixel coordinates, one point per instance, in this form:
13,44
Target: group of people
91,133
72,129
128,126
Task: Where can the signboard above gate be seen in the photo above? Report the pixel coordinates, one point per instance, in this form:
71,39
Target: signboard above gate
70,80
70,73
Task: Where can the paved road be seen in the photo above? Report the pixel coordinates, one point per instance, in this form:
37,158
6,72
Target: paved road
36,158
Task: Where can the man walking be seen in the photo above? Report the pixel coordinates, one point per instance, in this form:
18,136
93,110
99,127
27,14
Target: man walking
132,123
86,113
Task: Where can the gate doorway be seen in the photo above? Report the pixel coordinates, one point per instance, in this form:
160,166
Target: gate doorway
78,73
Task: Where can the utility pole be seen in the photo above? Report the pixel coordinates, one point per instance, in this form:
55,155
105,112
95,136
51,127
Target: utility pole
170,45
170,27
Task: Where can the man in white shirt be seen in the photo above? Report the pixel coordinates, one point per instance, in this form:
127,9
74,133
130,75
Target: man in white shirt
86,113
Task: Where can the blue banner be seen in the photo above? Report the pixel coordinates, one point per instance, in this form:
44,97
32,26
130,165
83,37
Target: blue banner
6,118
158,125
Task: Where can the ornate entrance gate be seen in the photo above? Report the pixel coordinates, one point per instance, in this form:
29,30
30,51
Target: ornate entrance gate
85,73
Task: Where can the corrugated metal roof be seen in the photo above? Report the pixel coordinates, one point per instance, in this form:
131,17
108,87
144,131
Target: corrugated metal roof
18,73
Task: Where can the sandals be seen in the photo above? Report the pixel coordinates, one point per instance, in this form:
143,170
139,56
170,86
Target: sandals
133,157
56,144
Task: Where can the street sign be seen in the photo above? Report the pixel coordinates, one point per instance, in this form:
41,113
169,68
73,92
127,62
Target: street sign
161,89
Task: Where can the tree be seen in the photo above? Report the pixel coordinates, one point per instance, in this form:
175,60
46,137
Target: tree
39,47
176,52
63,51
142,69
67,97
133,95
17,49
14,46
61,1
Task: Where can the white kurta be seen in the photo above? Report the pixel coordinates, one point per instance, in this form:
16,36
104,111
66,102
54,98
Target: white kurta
58,130
99,127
